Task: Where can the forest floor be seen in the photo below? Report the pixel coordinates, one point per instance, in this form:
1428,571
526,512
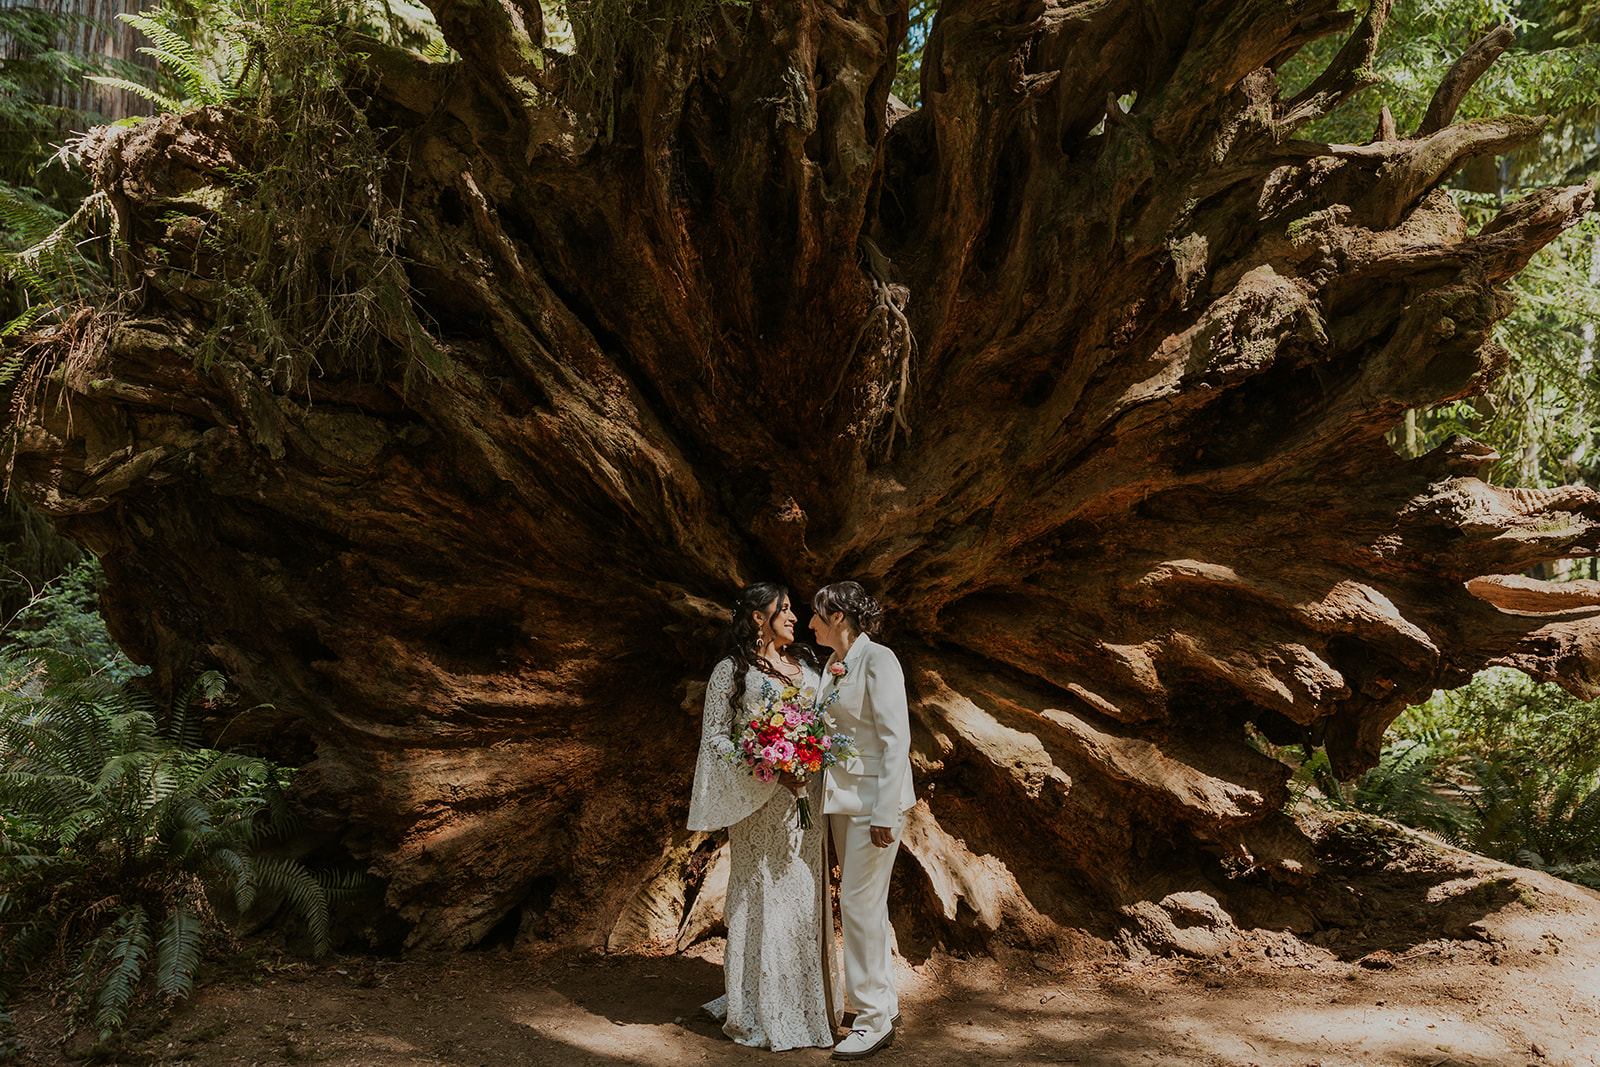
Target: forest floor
1456,960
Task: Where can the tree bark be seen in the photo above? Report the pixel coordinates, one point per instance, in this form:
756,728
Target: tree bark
99,33
1092,395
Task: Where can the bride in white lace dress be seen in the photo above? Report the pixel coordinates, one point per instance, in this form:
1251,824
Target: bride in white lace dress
779,968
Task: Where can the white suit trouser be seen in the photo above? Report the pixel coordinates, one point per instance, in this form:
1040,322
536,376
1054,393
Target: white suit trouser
864,871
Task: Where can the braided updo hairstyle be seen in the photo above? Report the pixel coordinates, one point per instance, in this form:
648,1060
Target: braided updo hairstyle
741,641
861,613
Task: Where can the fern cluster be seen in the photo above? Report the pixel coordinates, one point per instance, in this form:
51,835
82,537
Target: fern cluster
301,265
121,834
35,66
43,259
55,260
298,260
1503,766
1407,785
205,80
1538,816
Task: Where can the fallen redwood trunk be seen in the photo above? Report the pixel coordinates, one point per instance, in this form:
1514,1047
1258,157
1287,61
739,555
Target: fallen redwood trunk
1094,399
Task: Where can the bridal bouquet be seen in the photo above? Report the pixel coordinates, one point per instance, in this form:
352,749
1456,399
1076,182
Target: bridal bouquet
785,729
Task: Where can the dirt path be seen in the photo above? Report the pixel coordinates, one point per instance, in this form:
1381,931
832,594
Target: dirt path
1523,988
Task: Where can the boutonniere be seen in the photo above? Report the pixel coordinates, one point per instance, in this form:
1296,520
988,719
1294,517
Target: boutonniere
839,671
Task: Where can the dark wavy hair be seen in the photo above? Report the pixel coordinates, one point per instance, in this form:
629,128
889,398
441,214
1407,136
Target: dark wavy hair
741,641
861,612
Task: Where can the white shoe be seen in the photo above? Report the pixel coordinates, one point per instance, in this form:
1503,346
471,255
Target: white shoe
859,1044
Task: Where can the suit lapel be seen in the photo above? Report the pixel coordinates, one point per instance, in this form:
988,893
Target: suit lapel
829,681
857,653
852,661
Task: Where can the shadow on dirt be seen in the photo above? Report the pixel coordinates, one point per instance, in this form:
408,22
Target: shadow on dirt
1387,891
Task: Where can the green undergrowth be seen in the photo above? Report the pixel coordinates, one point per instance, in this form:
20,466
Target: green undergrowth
64,617
299,260
291,258
129,848
1355,840
1504,766
124,841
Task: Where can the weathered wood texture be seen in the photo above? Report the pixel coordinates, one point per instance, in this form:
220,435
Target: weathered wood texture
1145,507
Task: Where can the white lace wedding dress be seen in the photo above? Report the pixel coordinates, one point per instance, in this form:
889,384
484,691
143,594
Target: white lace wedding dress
779,969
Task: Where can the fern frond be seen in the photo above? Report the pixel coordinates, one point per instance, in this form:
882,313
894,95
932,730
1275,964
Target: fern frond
302,893
183,727
242,876
183,826
278,820
210,769
126,956
174,51
65,669
121,771
178,954
23,213
348,886
49,797
12,368
161,100
34,270
54,247
1404,786
23,860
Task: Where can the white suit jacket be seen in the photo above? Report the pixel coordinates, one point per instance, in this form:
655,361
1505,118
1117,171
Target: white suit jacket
871,708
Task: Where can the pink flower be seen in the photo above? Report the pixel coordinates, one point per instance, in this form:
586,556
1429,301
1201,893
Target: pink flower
785,751
826,742
762,772
838,670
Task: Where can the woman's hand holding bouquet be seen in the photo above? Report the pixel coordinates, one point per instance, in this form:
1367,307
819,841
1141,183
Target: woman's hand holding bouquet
786,729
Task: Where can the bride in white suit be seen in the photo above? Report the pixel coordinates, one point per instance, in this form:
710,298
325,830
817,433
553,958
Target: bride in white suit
778,966
866,799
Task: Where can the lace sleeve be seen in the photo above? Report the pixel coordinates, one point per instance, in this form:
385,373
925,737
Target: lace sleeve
724,792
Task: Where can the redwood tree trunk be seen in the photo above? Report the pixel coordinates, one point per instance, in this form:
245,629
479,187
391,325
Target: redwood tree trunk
98,33
1094,398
